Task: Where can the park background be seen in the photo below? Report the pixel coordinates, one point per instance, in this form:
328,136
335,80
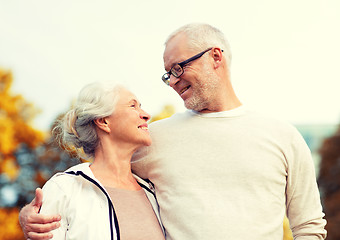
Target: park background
285,63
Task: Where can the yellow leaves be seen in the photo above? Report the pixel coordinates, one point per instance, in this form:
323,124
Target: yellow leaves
24,133
16,115
287,233
5,81
13,132
14,106
8,102
9,227
7,140
10,167
166,112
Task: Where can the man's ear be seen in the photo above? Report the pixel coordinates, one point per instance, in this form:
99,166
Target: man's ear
217,56
102,124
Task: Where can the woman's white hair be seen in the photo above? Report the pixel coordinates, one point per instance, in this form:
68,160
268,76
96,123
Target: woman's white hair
202,36
77,128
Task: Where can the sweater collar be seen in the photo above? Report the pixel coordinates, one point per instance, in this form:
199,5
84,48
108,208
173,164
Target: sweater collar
224,114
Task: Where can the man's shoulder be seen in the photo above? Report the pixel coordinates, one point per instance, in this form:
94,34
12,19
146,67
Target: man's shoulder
266,119
273,125
174,119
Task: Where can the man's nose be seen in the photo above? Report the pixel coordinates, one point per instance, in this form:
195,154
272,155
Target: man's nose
173,81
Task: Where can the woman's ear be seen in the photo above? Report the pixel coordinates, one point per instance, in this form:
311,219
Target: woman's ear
217,56
102,124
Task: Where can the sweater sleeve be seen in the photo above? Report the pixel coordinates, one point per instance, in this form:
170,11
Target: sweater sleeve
55,201
303,204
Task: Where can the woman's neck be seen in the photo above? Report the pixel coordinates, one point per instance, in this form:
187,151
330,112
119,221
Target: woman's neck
112,167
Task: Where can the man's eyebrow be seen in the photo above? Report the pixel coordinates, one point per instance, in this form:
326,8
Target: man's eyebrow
171,66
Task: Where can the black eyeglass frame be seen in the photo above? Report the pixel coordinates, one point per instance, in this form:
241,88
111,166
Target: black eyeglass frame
166,76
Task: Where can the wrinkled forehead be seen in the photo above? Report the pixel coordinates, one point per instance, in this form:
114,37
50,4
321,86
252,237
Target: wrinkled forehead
126,95
176,50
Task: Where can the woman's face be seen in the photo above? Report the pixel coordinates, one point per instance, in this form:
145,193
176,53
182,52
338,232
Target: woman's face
128,123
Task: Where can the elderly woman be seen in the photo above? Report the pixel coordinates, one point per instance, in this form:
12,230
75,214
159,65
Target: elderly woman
103,199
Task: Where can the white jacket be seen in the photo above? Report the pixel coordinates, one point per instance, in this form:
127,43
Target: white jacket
85,207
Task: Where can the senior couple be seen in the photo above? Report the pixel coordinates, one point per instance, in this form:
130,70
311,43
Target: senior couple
218,171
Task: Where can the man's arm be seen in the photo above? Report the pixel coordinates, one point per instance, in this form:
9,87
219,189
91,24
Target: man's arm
34,225
304,209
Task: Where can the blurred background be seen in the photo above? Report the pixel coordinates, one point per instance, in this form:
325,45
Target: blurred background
285,63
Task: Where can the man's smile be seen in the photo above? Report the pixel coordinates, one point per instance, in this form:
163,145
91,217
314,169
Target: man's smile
184,89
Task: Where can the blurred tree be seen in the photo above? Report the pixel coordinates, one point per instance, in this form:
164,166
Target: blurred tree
167,111
329,183
28,157
16,115
10,229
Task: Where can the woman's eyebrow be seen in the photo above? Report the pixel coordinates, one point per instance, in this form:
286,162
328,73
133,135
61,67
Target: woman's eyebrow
135,102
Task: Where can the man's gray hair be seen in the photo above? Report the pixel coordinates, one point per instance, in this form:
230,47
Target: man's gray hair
202,36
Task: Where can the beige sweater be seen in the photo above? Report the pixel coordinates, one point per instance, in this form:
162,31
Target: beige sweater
231,175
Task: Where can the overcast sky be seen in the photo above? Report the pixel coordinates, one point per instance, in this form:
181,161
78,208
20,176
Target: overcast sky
286,54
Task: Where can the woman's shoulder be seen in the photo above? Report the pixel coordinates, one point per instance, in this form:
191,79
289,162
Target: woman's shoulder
66,181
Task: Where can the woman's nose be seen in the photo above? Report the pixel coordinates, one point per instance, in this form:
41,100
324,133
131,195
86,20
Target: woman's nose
144,115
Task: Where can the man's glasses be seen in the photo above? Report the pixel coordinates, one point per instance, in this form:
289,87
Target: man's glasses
177,70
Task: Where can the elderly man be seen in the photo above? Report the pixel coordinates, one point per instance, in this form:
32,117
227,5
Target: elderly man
219,170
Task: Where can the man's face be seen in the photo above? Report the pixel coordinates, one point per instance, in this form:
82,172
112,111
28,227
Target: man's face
198,83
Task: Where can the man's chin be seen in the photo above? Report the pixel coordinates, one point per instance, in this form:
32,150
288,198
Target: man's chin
193,106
